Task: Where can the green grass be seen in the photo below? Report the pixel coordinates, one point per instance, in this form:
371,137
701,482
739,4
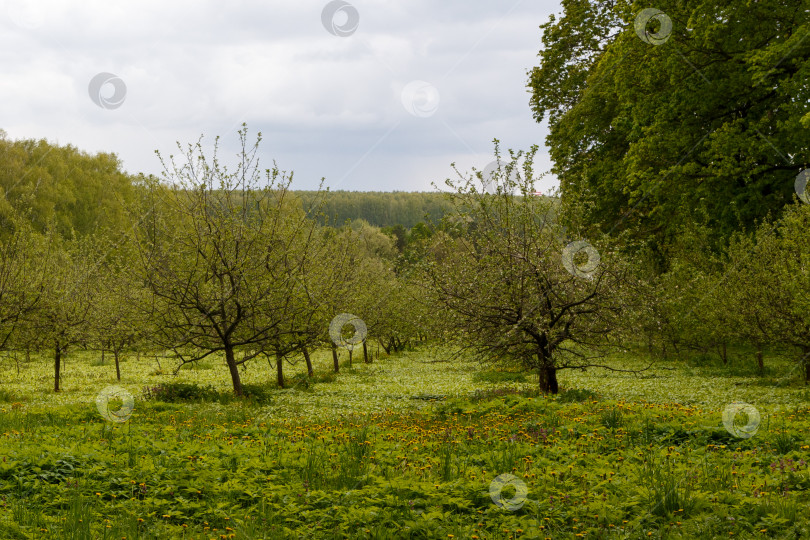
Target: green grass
403,447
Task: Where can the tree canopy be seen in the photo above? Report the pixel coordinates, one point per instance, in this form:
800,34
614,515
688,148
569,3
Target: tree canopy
655,127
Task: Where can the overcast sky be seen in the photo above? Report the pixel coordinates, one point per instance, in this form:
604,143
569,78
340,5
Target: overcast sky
372,95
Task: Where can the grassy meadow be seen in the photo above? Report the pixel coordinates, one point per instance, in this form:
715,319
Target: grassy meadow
409,446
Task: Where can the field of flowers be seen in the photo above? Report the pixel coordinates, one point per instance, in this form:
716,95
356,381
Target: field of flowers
419,445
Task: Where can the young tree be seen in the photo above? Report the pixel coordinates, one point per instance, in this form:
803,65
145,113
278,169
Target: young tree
510,290
64,316
767,285
22,276
222,253
121,309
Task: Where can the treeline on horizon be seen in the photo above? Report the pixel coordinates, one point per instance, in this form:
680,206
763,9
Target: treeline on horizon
80,193
379,208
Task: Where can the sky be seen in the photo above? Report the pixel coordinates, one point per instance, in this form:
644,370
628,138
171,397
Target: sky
369,95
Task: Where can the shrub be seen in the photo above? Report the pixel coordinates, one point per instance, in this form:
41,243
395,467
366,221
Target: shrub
257,393
174,392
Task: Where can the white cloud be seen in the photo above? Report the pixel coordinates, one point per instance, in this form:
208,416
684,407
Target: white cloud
328,106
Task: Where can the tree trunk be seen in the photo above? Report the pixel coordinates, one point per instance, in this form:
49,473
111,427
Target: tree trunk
308,360
57,365
117,365
760,361
365,353
724,353
350,355
280,370
102,356
386,349
335,358
230,359
806,362
547,376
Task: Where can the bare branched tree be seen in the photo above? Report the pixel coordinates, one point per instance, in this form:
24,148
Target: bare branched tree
223,253
513,288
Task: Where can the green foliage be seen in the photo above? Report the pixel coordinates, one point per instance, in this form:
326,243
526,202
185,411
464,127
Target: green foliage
63,187
669,491
706,127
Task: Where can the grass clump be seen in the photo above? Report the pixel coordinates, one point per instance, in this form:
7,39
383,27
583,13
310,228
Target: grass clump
577,395
499,376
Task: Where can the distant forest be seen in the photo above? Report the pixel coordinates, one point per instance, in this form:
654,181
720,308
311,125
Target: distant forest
80,193
381,209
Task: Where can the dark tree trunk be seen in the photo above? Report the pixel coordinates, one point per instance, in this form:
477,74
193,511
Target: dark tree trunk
387,349
102,356
350,355
230,359
760,360
547,376
724,353
308,360
117,365
57,365
365,353
280,370
806,362
335,358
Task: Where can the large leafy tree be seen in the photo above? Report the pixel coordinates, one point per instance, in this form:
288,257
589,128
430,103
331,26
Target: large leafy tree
509,290
708,124
62,188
